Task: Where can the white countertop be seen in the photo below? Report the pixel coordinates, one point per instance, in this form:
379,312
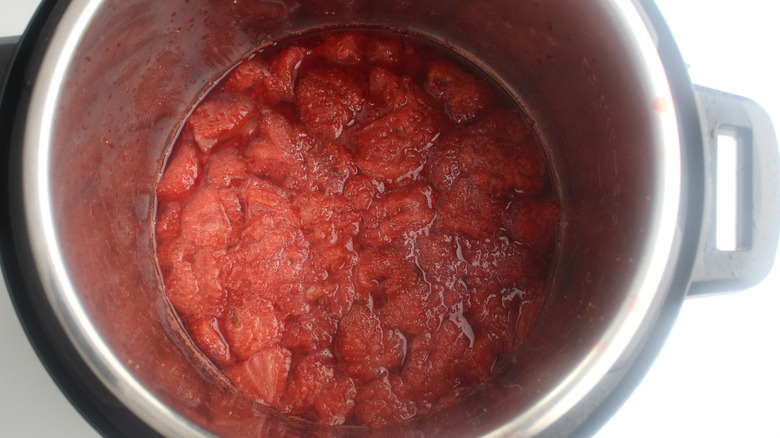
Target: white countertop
717,375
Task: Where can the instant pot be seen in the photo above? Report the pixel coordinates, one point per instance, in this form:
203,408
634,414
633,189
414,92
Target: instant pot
96,91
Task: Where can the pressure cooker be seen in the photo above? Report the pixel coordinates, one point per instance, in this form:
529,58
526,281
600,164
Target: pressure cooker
95,91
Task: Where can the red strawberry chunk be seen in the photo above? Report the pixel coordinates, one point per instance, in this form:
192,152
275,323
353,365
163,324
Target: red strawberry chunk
233,208
327,100
284,71
203,219
319,211
393,147
412,307
251,325
360,191
443,166
247,74
168,225
270,202
343,47
311,376
225,168
263,376
277,151
464,97
170,252
309,332
270,260
218,119
181,174
385,50
341,295
440,257
194,288
182,289
331,223
391,91
497,154
502,157
207,265
427,368
477,362
493,312
208,337
502,260
328,164
272,162
398,215
279,130
467,210
290,299
365,346
376,266
337,401
378,403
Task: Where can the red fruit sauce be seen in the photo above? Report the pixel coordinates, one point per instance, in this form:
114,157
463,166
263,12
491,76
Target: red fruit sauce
356,227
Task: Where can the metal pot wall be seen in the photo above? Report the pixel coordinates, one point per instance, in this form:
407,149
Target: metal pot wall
98,90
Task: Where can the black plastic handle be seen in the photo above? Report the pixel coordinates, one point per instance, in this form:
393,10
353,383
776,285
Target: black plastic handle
758,193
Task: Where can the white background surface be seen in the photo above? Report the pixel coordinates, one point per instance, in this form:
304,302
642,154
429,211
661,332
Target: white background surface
718,374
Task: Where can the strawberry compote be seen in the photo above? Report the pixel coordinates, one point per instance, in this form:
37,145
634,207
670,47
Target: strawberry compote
356,227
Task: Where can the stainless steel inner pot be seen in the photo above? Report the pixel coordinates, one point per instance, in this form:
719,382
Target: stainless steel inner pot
119,76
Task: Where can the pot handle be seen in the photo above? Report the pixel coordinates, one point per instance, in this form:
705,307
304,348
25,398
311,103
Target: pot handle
758,193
